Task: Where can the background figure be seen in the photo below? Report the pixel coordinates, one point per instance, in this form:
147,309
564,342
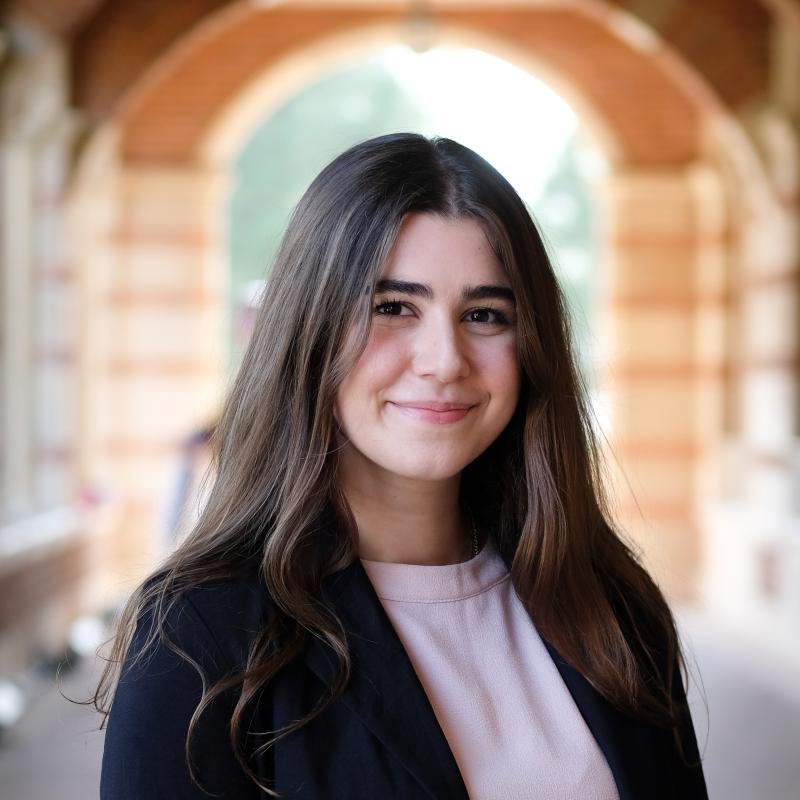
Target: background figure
189,486
191,477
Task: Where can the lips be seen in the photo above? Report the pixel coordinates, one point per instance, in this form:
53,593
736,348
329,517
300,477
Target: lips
433,405
434,411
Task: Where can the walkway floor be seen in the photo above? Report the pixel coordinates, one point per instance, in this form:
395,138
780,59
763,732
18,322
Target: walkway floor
748,723
752,750
55,749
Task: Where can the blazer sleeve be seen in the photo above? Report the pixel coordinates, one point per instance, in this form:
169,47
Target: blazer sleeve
144,754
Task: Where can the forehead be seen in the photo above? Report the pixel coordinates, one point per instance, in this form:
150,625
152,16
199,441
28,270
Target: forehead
429,245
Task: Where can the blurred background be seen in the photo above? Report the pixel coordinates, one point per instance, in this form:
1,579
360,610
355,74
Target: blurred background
150,156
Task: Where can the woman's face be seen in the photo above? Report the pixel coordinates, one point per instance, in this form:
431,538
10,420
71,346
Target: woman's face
439,378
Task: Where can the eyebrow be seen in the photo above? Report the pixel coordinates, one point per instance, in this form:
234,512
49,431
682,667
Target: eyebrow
482,292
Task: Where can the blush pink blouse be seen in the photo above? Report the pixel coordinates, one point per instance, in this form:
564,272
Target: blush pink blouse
508,717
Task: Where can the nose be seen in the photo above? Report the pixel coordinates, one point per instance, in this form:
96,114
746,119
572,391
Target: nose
439,351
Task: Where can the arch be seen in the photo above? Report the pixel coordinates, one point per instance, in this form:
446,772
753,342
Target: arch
670,135
699,32
657,120
227,133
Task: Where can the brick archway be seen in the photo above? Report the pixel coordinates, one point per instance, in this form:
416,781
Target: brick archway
686,190
725,44
657,118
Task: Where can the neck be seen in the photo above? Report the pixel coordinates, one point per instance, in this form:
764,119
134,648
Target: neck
404,520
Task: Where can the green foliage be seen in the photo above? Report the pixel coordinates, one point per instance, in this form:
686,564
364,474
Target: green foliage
293,145
355,103
567,220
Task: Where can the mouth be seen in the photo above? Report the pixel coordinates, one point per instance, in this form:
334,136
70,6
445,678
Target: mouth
433,411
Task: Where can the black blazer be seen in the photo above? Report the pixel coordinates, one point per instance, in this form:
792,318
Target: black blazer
379,740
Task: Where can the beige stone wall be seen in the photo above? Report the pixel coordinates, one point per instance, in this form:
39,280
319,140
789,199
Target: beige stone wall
662,301
156,289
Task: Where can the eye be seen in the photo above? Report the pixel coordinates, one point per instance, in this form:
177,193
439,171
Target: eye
487,316
390,308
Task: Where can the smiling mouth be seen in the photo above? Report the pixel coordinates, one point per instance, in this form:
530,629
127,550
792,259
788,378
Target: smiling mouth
437,413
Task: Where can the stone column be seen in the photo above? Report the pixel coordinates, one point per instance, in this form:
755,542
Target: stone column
662,304
753,562
44,539
752,573
155,284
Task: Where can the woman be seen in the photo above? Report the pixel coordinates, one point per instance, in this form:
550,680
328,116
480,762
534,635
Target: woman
404,583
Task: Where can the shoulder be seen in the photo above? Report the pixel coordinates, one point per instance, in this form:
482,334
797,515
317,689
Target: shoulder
207,634
217,622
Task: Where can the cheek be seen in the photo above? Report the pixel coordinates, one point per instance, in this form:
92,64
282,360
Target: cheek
501,372
375,371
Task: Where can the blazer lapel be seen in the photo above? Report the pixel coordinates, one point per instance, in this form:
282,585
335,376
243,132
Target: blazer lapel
384,691
625,742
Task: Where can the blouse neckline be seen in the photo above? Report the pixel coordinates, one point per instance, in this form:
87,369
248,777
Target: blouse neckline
441,583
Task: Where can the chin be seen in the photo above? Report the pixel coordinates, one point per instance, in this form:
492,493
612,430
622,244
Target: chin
425,470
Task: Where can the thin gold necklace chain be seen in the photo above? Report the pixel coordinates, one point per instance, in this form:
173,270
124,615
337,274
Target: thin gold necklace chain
474,536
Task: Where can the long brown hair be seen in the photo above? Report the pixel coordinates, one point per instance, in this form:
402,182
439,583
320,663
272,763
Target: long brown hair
537,489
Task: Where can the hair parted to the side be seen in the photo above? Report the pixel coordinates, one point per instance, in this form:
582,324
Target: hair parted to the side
537,490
